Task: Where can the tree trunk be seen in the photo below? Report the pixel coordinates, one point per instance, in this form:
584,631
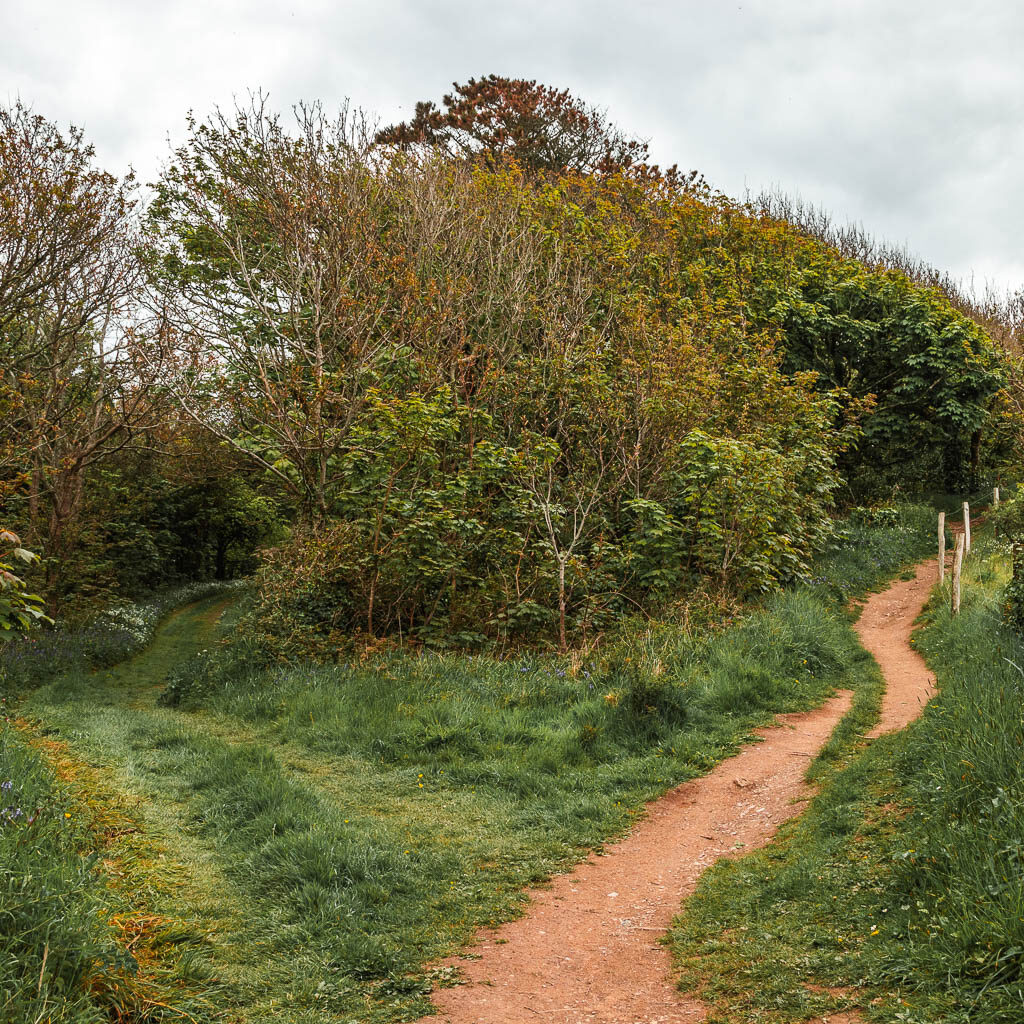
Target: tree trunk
221,570
562,645
975,459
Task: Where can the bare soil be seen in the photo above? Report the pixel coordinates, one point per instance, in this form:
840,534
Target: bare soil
587,951
884,628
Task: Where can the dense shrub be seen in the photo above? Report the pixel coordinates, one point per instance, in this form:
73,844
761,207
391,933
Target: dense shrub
1008,520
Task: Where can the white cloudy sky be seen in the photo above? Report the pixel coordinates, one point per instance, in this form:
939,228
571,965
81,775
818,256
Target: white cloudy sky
905,115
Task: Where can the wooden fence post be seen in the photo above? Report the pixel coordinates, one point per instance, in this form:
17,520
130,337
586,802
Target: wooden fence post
967,528
958,561
942,546
995,496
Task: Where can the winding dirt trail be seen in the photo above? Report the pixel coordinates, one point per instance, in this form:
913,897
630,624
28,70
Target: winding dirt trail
884,628
588,949
587,952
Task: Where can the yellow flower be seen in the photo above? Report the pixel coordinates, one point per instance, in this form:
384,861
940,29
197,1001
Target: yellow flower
67,814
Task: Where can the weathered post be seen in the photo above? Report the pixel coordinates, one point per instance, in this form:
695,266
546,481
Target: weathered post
995,496
958,561
967,528
942,546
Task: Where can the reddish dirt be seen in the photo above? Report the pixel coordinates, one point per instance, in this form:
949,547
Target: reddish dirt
884,628
587,951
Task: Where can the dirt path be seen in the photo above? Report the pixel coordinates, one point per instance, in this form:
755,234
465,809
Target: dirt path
884,628
588,952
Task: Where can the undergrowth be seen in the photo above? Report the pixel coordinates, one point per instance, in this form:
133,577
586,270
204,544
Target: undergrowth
901,889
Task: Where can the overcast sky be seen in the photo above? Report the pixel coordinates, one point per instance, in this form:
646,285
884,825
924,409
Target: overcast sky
907,116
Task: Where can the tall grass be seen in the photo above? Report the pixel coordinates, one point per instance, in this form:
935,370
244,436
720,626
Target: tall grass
964,864
871,545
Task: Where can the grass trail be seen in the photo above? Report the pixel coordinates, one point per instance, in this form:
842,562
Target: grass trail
190,921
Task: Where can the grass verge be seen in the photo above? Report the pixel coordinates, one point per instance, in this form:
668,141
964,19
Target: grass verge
74,947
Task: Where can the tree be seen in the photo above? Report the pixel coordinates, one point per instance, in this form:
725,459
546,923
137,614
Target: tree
75,382
57,212
932,370
541,128
272,289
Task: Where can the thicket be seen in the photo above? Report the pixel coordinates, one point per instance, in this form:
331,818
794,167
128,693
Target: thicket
463,386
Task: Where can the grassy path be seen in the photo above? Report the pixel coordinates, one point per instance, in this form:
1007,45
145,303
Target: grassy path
138,771
103,733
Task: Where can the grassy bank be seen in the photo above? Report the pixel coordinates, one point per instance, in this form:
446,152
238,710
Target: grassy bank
80,942
900,890
341,826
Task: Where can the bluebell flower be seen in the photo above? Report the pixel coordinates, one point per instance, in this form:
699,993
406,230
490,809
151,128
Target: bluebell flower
7,785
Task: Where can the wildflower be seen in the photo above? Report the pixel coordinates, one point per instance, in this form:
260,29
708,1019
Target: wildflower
7,785
67,814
